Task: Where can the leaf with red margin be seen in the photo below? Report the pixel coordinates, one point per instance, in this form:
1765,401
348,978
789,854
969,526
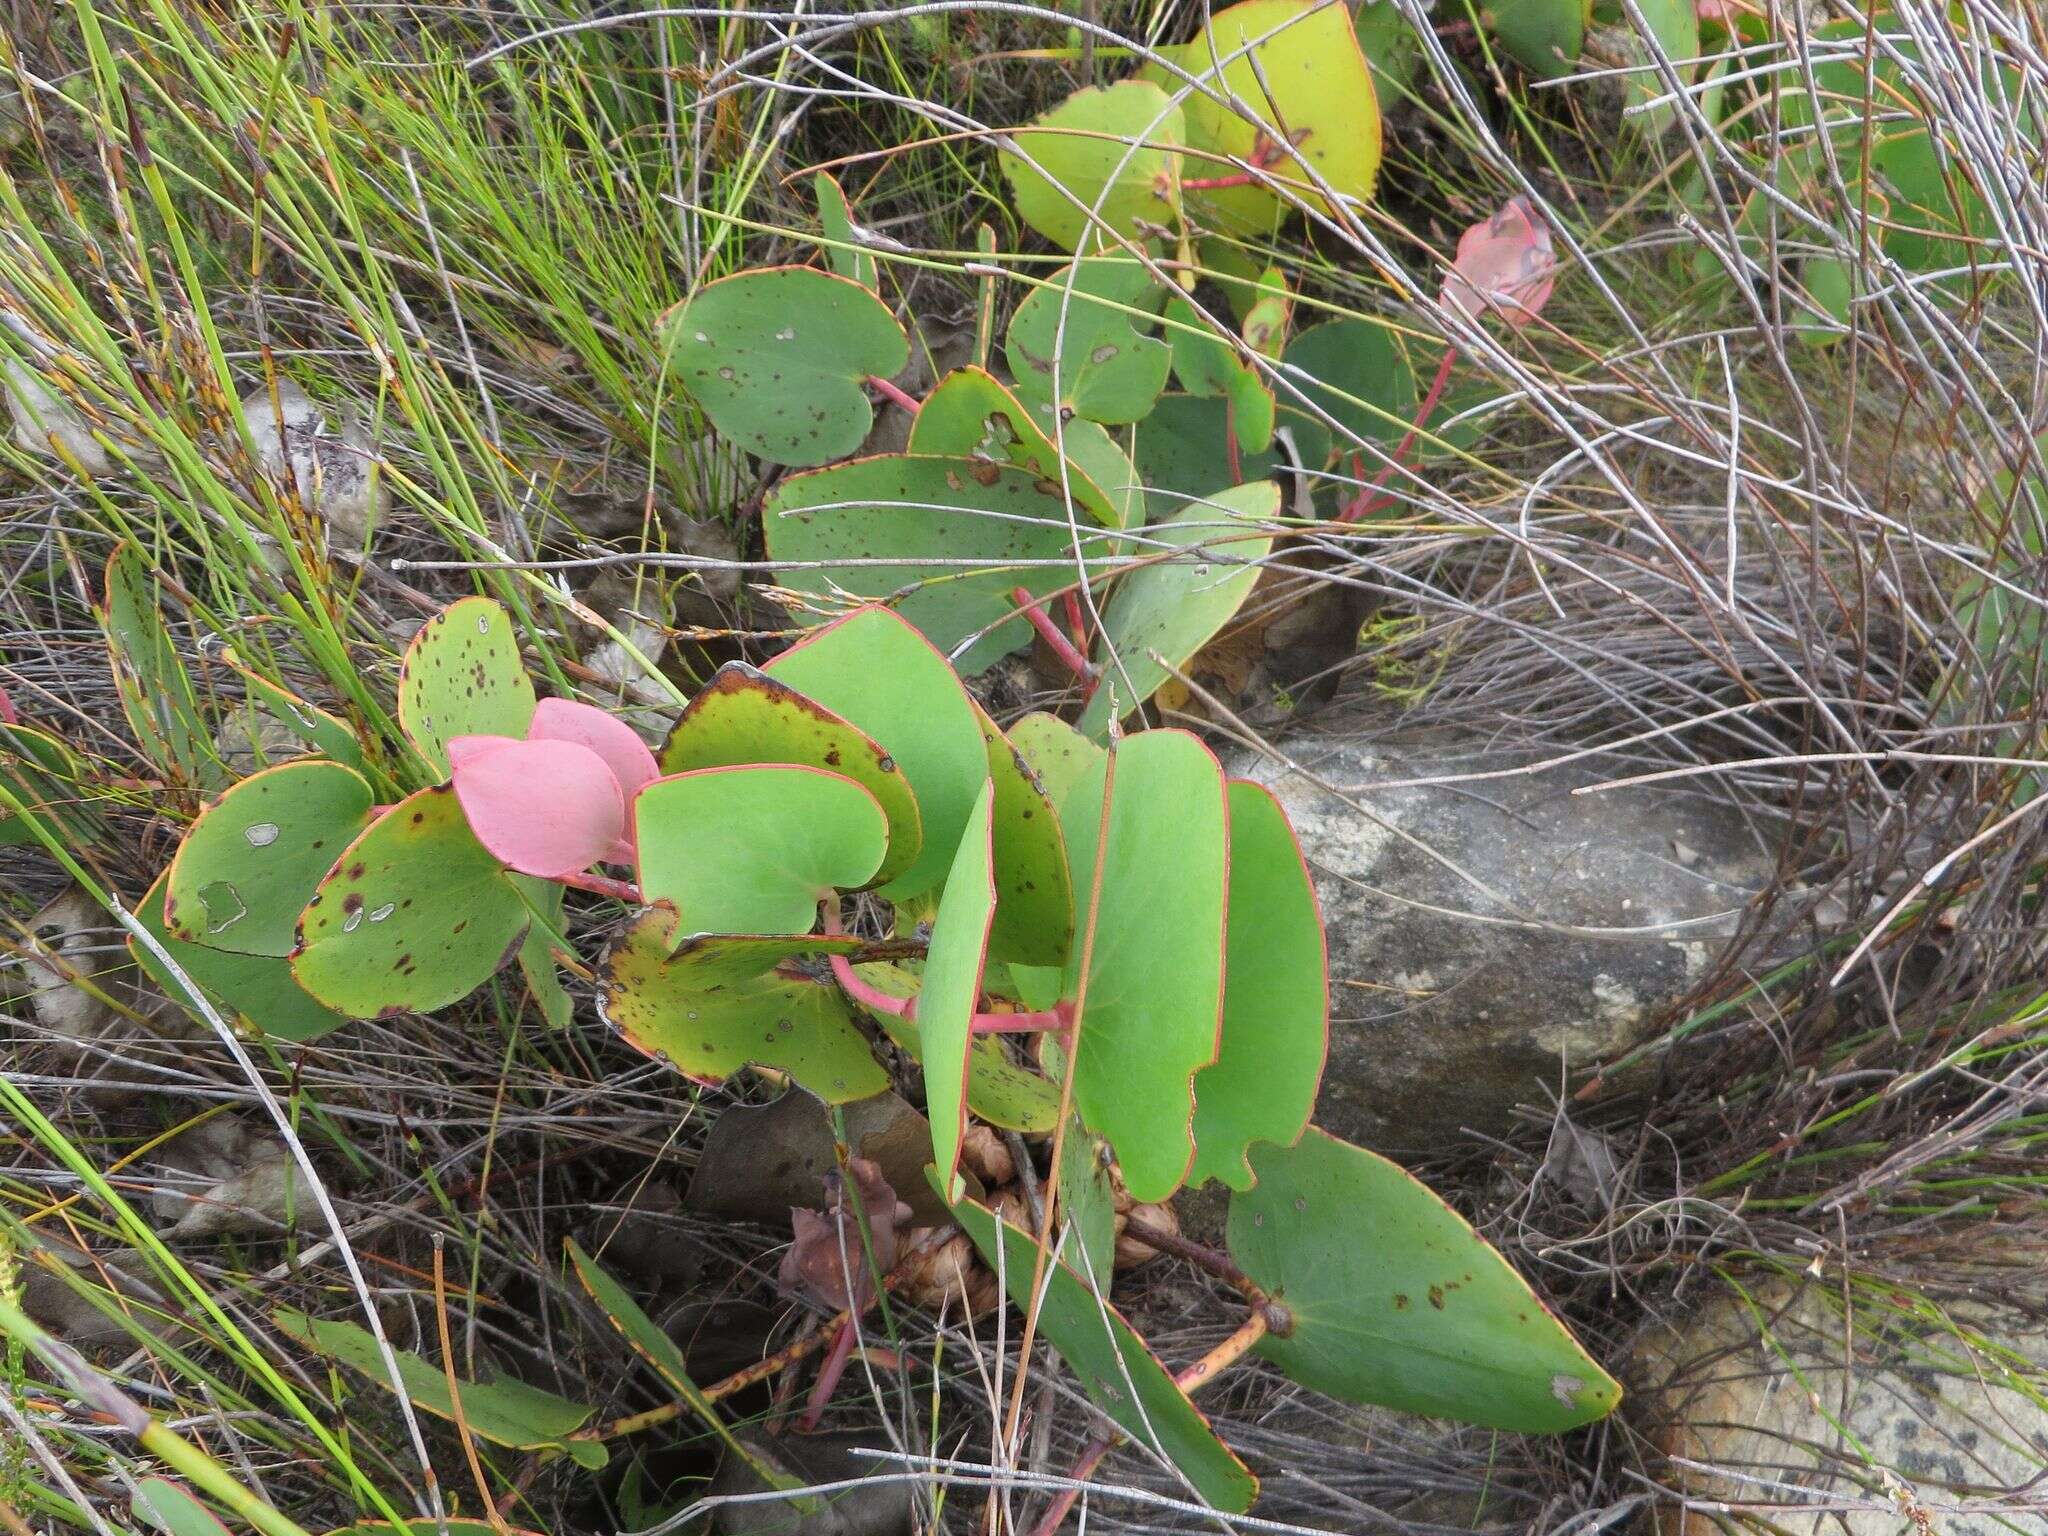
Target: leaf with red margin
1035,891
1115,1367
875,669
1153,1001
462,676
1276,997
952,988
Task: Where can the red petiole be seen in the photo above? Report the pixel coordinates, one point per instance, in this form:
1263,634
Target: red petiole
1369,500
883,386
1049,632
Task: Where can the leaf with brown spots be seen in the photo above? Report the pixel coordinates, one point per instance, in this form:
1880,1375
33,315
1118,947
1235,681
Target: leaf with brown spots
415,916
462,676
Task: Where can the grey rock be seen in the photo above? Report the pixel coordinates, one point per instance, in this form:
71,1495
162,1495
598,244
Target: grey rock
1878,1424
331,461
1488,936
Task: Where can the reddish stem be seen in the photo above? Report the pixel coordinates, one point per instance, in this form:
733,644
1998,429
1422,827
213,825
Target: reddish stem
1062,647
1369,500
1077,623
828,1377
865,993
908,402
604,885
1217,183
1059,1017
1056,1512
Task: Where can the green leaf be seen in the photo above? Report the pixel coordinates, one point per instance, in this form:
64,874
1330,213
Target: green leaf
536,950
846,257
1077,341
1391,49
754,849
329,735
450,1527
1055,752
1096,453
41,772
171,1508
1110,150
1675,24
652,1344
149,678
1176,606
1116,1368
876,670
1544,36
779,358
952,989
1267,318
1294,62
462,676
505,1411
1276,999
1089,1202
1153,1005
1209,365
258,989
997,528
415,914
1035,902
745,716
970,415
1357,375
1397,1301
254,856
1183,456
707,1024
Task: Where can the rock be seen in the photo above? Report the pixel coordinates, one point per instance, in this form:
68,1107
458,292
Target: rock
1455,994
46,425
1938,1438
332,463
226,1176
887,1508
71,941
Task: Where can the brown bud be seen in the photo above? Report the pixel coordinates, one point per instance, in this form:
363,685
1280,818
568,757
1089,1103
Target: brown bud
945,1275
1130,1250
985,1155
827,1260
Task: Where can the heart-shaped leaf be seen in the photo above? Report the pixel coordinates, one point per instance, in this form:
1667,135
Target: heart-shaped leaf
970,415
952,988
835,216
1276,999
1292,62
1545,37
1209,365
258,989
958,536
151,681
415,914
505,1411
1172,608
1152,1011
708,1023
329,735
1057,754
779,358
462,676
1116,1368
542,808
248,864
1077,341
1397,1301
754,849
877,671
745,716
1103,164
652,1344
1034,921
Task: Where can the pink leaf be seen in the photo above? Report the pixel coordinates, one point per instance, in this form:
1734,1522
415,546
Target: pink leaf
462,748
1504,264
8,715
610,738
544,808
